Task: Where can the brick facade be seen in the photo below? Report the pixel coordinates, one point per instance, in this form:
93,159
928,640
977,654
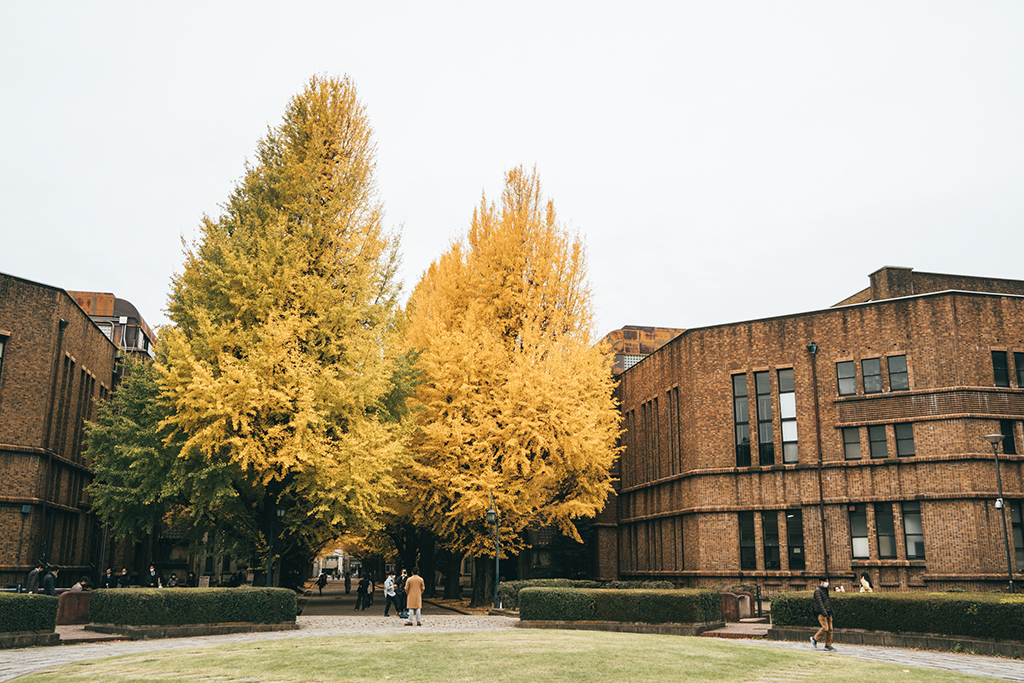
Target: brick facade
922,404
55,364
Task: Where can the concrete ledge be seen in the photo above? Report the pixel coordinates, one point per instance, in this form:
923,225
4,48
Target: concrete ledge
624,627
15,639
189,631
914,641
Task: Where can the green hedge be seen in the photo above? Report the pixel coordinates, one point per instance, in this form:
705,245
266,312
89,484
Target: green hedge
24,612
508,591
989,616
688,606
183,606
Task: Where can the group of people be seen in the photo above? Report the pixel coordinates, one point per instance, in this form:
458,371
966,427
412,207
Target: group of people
42,579
404,592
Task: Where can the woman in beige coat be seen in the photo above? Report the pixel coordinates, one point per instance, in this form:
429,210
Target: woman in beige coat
414,596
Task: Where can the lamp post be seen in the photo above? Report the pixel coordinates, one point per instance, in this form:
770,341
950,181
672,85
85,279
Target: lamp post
270,546
994,439
492,518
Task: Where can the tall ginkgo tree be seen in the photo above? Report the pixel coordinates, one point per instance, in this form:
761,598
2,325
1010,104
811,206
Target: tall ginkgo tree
281,379
516,399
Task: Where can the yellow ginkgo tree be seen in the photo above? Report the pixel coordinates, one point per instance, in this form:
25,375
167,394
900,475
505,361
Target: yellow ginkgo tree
281,379
515,397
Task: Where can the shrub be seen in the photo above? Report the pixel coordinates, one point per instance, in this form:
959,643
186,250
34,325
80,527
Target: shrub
635,605
508,592
182,606
24,612
972,615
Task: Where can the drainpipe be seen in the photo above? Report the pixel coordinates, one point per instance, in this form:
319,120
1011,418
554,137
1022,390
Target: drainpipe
813,349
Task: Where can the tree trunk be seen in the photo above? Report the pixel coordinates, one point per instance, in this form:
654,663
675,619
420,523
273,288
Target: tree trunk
483,582
427,563
453,576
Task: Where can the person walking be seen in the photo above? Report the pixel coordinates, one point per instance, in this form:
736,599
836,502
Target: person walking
414,596
348,582
389,595
50,581
321,581
865,583
364,583
823,610
400,593
34,577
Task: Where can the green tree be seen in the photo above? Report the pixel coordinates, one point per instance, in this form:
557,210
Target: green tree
281,376
515,397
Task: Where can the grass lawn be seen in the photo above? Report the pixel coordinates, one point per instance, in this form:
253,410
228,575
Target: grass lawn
507,656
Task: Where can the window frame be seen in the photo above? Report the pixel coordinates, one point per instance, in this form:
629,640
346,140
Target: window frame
885,531
787,405
1018,364
1006,428
882,450
765,425
899,380
1000,369
748,541
875,385
911,510
847,379
859,542
741,426
903,440
771,541
795,540
846,433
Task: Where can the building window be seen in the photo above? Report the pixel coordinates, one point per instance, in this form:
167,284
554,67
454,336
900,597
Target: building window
1018,363
913,531
876,442
770,532
787,410
1000,369
1009,444
748,553
859,531
885,527
795,539
872,368
905,440
851,443
629,360
899,380
741,413
1017,522
765,437
3,345
847,373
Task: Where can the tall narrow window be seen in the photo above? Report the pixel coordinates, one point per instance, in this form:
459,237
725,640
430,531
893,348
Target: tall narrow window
765,436
1009,444
1018,363
913,530
859,531
899,380
770,532
795,539
885,527
872,369
1000,369
3,344
847,373
1017,522
851,443
741,415
905,440
787,411
876,441
748,551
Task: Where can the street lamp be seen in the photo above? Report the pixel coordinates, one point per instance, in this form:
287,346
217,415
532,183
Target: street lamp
492,518
994,439
270,545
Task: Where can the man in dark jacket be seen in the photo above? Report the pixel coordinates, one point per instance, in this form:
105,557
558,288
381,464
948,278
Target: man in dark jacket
125,579
109,579
34,576
823,610
50,582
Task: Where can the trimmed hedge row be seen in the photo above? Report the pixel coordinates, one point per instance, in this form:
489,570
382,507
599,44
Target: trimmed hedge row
508,591
989,616
686,606
184,606
24,612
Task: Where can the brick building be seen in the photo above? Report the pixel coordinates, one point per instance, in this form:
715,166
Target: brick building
54,363
846,440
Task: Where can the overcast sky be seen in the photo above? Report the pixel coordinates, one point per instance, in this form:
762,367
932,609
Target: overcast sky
723,161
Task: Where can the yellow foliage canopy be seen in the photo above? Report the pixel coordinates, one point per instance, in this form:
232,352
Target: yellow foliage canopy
516,397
